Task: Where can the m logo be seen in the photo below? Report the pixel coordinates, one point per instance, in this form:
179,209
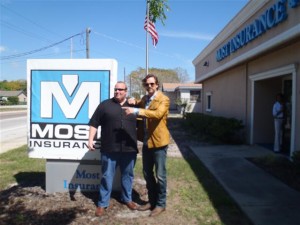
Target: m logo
67,96
69,106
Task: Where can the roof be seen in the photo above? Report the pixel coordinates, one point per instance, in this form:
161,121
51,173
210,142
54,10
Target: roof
10,93
171,87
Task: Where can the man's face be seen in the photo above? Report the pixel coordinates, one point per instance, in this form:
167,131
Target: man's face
150,86
120,92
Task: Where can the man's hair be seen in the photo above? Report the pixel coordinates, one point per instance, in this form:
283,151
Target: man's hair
122,82
149,76
280,95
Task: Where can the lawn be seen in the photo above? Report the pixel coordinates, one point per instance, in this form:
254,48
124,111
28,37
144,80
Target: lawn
194,196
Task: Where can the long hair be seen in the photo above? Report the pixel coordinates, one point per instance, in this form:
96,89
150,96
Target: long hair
149,76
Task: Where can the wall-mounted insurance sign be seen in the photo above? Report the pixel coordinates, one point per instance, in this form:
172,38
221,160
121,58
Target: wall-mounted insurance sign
62,96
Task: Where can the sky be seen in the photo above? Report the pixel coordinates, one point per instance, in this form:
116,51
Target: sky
29,27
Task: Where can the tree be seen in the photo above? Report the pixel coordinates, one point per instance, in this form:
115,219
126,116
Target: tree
182,74
16,85
134,79
157,10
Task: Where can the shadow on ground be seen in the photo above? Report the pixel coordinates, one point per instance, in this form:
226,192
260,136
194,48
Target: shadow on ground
220,199
31,185
27,203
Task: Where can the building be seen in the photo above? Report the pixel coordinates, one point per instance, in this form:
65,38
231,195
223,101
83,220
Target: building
20,94
188,93
254,57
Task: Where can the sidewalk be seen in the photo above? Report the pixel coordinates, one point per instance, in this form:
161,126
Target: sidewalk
263,198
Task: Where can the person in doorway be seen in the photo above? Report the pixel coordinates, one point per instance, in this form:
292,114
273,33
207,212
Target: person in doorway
118,146
279,117
153,132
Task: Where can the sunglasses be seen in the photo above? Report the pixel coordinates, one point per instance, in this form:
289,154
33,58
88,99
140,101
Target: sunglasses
148,84
119,89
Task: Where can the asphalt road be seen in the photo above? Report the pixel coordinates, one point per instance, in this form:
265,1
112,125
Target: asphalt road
13,130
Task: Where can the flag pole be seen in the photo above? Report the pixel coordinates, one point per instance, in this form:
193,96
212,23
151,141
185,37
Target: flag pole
147,59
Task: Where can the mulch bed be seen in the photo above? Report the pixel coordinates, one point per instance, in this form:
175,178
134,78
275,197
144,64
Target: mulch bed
280,167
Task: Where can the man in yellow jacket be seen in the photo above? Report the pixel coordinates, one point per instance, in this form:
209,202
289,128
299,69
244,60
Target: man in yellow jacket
153,108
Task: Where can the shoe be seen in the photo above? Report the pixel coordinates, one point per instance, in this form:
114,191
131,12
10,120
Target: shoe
145,207
99,211
132,205
157,210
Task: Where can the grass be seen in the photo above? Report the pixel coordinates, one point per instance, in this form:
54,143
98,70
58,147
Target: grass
11,109
15,166
193,193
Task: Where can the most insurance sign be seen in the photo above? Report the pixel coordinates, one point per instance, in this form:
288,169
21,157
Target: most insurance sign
62,96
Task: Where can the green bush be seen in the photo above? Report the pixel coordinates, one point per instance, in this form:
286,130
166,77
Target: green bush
226,130
13,100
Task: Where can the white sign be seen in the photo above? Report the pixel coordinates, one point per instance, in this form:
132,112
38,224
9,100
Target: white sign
62,97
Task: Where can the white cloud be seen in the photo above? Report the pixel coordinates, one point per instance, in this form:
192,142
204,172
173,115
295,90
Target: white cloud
2,48
196,36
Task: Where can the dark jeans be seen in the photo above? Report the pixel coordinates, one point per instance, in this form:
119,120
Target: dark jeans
110,161
155,160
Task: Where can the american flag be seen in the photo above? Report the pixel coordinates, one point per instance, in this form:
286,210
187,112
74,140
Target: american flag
151,29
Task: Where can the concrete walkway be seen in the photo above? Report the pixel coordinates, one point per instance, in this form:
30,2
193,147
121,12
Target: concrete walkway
263,198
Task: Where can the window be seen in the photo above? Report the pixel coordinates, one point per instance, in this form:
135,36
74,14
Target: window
195,96
208,101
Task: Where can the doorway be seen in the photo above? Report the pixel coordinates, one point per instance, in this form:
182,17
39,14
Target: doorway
264,87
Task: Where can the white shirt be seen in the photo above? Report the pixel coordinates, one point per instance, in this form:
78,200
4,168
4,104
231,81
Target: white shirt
277,110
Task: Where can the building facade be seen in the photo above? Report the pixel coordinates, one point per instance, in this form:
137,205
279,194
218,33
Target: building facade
4,95
254,57
188,93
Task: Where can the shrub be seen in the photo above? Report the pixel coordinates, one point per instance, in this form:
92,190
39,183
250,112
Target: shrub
226,130
13,100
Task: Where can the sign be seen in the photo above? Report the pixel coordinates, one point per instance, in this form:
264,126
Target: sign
62,97
269,19
73,176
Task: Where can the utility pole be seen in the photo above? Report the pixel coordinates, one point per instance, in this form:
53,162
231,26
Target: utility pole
88,31
124,75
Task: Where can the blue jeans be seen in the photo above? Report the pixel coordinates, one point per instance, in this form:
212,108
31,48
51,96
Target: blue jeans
109,163
155,160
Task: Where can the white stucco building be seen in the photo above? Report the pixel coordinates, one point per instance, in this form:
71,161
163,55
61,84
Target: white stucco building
254,57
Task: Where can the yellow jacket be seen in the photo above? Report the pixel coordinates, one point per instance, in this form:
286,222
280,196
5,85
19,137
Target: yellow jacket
156,120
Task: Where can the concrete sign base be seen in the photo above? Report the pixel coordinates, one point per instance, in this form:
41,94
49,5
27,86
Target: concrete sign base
72,176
